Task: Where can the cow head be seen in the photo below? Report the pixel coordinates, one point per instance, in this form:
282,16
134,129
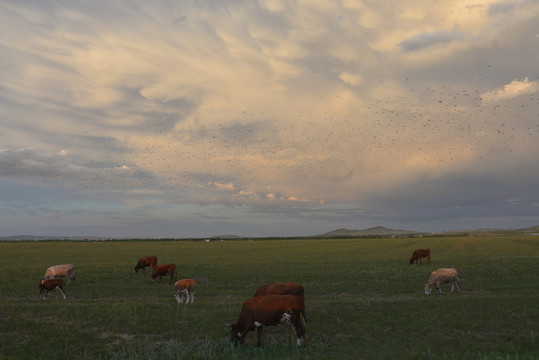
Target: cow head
428,289
235,334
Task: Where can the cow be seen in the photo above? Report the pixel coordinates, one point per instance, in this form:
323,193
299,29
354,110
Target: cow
418,254
163,269
48,285
186,286
59,271
145,261
269,310
280,289
441,276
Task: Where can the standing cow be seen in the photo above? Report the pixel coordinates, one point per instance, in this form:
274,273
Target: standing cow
48,285
145,261
163,270
59,271
418,254
269,310
187,287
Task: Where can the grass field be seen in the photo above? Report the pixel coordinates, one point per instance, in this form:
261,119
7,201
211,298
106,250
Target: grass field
363,299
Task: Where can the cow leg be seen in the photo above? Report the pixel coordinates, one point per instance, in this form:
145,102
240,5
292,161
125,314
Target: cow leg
186,292
438,287
259,335
62,291
297,324
458,285
192,295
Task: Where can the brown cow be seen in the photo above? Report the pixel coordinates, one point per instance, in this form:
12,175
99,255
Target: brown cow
145,261
269,310
186,286
163,269
59,271
282,289
418,254
48,285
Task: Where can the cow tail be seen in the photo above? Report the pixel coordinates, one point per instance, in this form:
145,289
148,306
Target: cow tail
303,311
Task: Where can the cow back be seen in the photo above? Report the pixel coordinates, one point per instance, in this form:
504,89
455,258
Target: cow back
268,309
59,270
280,289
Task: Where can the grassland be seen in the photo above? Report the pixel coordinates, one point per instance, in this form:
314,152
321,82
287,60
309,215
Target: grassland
364,300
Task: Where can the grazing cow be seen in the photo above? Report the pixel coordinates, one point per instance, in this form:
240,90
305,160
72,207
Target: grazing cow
269,310
59,271
164,269
420,253
282,289
48,285
145,261
186,286
441,276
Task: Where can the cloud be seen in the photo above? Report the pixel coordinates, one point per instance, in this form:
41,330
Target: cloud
436,38
513,89
276,111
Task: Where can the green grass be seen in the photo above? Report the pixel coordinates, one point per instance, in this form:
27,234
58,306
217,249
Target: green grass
363,298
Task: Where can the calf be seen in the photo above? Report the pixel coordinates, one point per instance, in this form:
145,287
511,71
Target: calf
164,269
269,310
441,276
186,286
59,271
48,285
418,254
145,261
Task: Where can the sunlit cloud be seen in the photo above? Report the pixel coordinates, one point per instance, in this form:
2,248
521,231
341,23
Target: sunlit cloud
511,90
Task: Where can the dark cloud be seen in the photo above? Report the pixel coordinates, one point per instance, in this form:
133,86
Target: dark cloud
429,39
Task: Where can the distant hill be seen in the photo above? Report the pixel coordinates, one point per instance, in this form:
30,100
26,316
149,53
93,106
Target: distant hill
374,231
532,229
36,238
225,237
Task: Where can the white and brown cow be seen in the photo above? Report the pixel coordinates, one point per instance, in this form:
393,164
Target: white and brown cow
48,285
164,269
441,276
145,261
269,310
58,271
187,287
282,289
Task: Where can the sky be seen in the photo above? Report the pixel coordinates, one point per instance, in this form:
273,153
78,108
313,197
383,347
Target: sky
267,118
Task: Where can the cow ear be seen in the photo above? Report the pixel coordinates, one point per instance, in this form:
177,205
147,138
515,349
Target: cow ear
228,325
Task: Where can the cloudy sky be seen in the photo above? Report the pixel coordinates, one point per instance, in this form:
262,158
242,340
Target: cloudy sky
267,118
